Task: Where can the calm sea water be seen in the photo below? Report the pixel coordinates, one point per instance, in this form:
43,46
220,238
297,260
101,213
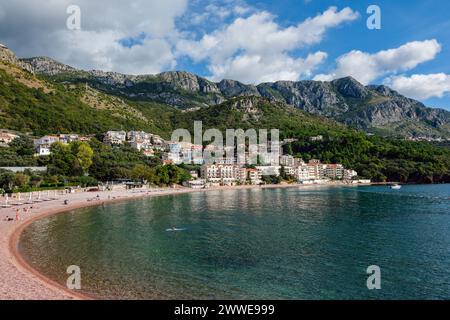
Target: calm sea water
310,243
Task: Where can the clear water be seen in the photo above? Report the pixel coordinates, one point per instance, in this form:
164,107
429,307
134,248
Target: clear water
297,243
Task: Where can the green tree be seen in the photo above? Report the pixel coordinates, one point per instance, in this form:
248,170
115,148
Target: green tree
21,180
7,180
84,156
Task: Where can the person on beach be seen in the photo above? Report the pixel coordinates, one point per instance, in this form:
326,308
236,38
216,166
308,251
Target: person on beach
17,214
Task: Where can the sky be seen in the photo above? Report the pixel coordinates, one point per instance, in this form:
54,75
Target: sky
249,41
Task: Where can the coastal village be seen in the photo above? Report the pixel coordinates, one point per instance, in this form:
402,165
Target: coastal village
228,171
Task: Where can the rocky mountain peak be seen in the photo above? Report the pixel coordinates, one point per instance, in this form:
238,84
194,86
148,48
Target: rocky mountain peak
350,87
384,90
188,81
47,65
8,56
232,88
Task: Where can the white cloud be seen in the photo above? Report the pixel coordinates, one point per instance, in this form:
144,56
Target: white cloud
100,50
421,86
35,27
253,47
211,12
256,48
241,9
367,67
247,68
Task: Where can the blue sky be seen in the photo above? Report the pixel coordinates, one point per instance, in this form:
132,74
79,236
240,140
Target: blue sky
249,41
402,22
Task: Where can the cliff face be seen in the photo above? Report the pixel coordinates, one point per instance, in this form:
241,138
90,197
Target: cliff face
372,108
6,55
47,66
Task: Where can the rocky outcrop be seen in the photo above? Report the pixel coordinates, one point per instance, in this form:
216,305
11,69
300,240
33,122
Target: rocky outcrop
249,107
311,96
232,88
188,81
6,55
47,66
349,87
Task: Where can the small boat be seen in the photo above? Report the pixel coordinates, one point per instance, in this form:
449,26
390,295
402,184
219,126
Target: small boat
396,186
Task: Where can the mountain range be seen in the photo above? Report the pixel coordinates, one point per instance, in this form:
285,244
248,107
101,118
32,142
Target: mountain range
374,109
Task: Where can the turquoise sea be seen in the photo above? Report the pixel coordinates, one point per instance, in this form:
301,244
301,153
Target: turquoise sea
293,243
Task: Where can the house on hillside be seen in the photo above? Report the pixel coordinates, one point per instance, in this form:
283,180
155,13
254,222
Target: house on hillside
6,138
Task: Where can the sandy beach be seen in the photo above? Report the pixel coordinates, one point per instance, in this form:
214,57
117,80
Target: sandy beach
18,281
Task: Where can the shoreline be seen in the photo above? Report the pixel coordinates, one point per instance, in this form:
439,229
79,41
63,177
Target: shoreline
19,280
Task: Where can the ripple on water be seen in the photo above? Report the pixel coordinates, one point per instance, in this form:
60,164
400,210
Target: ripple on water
313,243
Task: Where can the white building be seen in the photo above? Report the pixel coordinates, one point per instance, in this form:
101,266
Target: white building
43,150
333,171
317,138
157,140
195,184
269,170
315,169
302,173
184,152
139,136
225,174
287,160
290,171
254,176
43,145
115,137
350,174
